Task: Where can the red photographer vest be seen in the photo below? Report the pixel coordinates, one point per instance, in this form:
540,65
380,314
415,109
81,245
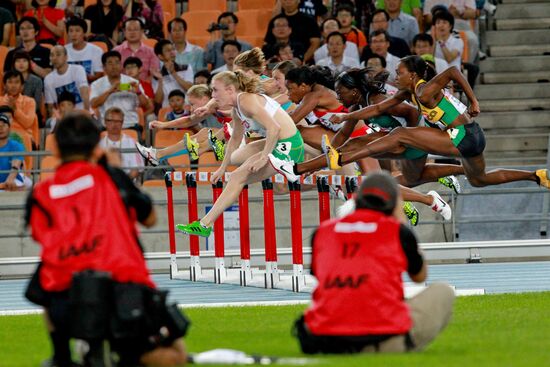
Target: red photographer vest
81,222
358,261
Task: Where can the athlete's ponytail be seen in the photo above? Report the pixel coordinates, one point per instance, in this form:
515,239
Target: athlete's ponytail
416,64
323,75
239,80
251,60
361,79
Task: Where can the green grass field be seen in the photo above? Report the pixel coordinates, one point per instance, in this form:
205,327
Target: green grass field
493,330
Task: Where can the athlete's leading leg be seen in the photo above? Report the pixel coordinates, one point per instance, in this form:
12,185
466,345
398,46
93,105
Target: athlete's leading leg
474,168
240,177
417,172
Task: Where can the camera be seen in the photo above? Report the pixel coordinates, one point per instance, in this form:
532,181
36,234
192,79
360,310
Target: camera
216,27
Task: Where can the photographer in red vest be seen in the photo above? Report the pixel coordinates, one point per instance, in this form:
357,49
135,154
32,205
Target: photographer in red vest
358,260
84,219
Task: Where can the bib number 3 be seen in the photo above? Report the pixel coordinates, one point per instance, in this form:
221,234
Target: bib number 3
284,147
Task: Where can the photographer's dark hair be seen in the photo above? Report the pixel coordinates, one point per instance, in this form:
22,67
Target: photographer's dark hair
159,46
76,135
77,22
228,14
132,60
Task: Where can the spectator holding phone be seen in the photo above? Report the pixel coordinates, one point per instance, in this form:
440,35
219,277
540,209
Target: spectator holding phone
117,89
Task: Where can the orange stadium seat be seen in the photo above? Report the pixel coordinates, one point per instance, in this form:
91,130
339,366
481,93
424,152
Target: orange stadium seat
199,41
465,51
167,18
49,143
255,41
3,53
47,165
253,22
164,138
168,6
101,45
195,5
198,21
255,4
163,112
151,42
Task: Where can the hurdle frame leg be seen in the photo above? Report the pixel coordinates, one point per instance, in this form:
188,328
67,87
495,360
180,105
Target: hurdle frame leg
195,269
245,274
271,276
298,278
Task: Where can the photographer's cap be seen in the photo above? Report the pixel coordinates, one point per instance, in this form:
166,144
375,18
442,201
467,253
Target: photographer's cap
5,119
379,192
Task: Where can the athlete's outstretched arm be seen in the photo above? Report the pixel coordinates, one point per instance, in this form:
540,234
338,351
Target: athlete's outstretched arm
345,132
406,111
441,80
308,104
372,111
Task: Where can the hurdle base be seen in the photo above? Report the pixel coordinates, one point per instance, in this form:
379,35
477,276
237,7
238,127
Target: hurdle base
173,267
298,278
245,274
220,272
271,275
195,270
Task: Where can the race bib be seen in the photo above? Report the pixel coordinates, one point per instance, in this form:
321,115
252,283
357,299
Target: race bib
453,133
284,147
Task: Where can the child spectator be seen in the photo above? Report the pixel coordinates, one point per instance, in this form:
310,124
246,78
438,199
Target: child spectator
132,68
176,99
202,77
65,105
13,180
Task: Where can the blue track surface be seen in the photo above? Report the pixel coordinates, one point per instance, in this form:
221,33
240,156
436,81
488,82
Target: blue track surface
494,278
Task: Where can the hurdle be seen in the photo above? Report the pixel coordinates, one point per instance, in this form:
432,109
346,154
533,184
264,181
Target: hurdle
246,274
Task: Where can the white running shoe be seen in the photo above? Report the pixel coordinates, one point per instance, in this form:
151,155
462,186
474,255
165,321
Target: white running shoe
286,168
440,206
149,154
337,192
347,208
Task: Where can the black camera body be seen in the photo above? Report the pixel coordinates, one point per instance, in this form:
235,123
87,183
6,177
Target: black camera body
216,27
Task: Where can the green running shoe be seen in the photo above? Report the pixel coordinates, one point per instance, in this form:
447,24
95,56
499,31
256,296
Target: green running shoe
451,182
192,147
195,228
217,146
411,212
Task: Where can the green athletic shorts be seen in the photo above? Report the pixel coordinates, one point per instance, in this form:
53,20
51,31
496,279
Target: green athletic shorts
290,149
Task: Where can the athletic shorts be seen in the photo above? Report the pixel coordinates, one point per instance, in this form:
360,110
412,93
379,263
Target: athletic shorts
472,143
290,149
413,153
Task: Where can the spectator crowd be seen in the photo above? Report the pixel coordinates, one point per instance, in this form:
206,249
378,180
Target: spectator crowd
121,62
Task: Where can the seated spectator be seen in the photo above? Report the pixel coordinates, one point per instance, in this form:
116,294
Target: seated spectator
214,53
65,77
449,46
230,50
358,305
202,77
280,32
304,28
133,46
172,75
132,68
80,52
176,99
398,46
186,52
379,44
103,20
327,27
345,15
401,25
410,7
7,22
65,105
151,15
28,29
336,61
283,52
118,90
23,107
463,11
33,87
423,44
14,179
376,63
314,8
50,19
132,163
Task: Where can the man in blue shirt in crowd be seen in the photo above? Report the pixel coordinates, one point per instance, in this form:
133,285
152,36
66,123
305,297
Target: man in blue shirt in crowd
12,180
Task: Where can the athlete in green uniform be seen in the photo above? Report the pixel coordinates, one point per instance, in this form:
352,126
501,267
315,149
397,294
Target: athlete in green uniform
451,132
